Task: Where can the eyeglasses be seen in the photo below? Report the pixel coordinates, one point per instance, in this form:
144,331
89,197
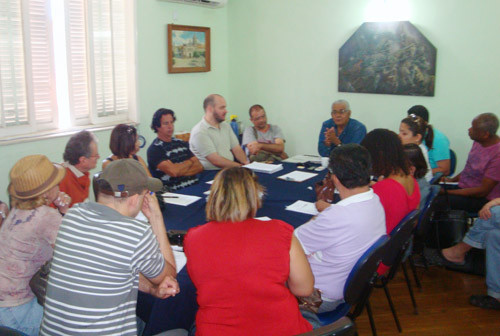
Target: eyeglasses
339,112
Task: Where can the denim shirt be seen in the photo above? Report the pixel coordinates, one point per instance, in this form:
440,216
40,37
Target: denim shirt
354,132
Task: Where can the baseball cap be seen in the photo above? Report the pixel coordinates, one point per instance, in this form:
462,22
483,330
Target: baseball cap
127,177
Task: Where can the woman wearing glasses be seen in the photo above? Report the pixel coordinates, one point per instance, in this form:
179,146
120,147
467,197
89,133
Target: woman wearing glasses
246,271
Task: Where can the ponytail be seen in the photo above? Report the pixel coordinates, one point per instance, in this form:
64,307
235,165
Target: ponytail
429,136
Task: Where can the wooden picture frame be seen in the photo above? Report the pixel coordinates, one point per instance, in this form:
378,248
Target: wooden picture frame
188,49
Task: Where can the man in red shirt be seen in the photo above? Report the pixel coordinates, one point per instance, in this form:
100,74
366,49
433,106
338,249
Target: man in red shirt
80,156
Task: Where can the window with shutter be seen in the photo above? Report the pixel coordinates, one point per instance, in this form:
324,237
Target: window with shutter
95,84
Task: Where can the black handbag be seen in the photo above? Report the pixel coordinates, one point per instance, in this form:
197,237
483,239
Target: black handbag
38,282
448,228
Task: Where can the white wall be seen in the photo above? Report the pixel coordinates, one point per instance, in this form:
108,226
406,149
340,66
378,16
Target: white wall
284,55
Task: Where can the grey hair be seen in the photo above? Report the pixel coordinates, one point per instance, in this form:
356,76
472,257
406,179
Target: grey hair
343,101
78,146
488,122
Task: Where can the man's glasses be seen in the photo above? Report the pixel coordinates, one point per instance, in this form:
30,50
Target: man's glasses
339,112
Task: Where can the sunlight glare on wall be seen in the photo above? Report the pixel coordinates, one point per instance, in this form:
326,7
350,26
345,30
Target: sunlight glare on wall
387,10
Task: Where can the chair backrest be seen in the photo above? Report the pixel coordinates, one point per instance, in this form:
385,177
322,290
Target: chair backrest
360,281
435,178
453,162
342,327
6,331
399,237
95,186
426,211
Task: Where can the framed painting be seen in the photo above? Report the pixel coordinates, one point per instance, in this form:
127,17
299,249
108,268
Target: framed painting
388,58
188,49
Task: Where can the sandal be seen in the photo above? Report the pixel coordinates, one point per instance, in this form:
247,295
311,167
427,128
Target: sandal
446,262
485,302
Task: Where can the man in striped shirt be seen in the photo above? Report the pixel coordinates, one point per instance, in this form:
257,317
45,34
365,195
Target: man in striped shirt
103,256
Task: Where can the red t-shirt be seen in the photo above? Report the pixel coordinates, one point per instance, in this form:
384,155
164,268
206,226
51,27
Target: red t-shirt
397,204
239,270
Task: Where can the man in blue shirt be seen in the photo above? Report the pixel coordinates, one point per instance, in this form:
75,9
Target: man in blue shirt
439,154
340,129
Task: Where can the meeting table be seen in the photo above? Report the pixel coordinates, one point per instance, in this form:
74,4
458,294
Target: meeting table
179,311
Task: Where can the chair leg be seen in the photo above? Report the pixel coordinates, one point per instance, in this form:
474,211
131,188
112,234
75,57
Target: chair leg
370,317
414,270
391,305
405,272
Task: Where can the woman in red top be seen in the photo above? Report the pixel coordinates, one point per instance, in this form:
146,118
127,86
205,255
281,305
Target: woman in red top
246,271
396,187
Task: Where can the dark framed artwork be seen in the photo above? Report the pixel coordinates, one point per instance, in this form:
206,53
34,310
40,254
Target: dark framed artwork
188,48
388,58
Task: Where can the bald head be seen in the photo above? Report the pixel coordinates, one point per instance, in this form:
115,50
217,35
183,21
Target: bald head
210,100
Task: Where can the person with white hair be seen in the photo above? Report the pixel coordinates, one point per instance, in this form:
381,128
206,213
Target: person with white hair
340,129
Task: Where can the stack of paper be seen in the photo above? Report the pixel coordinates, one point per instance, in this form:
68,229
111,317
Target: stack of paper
297,176
179,199
303,207
267,168
304,158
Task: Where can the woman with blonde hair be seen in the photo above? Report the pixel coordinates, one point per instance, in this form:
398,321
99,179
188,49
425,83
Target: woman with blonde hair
246,271
28,236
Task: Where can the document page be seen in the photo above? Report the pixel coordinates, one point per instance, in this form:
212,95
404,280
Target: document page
297,176
179,199
303,207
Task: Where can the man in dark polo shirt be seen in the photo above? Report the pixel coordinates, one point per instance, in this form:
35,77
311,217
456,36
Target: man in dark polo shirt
169,158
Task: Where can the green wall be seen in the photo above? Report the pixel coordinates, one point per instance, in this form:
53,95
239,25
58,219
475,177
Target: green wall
283,54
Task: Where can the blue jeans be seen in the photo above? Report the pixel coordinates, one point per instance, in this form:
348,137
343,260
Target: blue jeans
25,318
485,234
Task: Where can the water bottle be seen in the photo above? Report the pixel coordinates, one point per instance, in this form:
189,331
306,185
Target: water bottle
234,126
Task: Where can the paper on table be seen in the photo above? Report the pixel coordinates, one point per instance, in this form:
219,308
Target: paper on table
297,176
263,218
179,199
210,182
261,167
304,158
303,207
180,260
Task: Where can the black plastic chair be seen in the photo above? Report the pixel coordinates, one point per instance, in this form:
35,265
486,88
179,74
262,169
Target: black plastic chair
453,162
342,327
435,178
359,285
6,331
395,250
423,230
95,185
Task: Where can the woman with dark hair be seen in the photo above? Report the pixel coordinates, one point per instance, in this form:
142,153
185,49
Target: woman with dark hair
396,187
418,169
246,271
414,129
27,238
124,144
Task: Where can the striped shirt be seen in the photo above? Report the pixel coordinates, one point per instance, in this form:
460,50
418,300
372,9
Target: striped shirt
94,277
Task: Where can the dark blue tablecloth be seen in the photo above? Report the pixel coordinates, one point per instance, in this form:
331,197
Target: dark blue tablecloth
180,311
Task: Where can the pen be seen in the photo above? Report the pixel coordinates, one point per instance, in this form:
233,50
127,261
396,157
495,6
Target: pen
170,196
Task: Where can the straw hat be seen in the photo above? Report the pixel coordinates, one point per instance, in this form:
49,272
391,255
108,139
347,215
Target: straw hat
33,175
